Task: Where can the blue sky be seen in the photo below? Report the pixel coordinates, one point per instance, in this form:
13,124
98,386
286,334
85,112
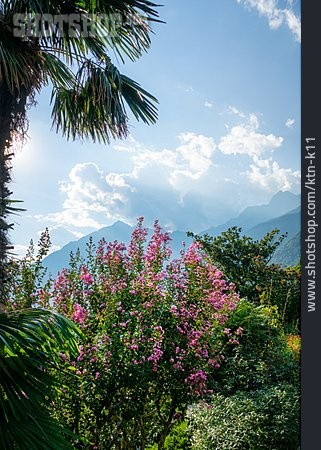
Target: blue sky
227,76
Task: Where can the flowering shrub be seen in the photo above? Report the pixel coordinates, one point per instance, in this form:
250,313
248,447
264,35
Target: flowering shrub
154,330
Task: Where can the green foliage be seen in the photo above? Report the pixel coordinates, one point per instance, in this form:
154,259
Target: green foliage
247,263
27,275
263,357
242,259
285,293
268,418
30,342
89,93
178,439
289,254
115,403
154,331
256,404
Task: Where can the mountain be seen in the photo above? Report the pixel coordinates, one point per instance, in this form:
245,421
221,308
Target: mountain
280,204
60,258
283,212
289,223
289,253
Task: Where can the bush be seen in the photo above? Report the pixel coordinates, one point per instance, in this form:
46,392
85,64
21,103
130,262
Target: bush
256,405
265,356
285,293
178,439
267,419
153,333
247,262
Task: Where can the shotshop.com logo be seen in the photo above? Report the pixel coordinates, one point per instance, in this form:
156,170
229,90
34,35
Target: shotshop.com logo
73,25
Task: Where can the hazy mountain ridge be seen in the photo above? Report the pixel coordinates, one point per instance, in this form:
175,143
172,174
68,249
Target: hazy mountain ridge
280,204
289,254
289,223
283,212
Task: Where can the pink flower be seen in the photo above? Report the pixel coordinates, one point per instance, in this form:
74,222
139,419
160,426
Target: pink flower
79,315
85,276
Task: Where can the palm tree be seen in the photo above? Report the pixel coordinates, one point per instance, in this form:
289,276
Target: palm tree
30,341
89,93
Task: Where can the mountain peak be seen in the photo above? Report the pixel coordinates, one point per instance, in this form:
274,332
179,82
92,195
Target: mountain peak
283,196
281,203
119,224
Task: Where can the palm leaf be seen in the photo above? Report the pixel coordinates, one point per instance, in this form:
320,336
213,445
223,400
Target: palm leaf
95,108
30,342
126,29
139,101
56,72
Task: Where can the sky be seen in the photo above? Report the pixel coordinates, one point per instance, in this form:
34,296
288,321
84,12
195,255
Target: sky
227,77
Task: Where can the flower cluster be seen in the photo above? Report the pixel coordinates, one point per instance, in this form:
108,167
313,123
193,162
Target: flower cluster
142,311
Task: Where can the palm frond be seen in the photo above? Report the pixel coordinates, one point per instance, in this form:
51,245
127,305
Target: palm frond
89,94
34,327
55,71
95,108
30,342
141,103
35,430
125,28
19,67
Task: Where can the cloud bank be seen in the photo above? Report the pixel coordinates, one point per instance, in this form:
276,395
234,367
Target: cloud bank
201,182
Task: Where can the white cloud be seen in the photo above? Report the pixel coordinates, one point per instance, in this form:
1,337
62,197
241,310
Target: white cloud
244,139
294,23
116,180
95,199
89,193
208,104
54,248
263,163
20,251
235,111
194,154
276,15
194,185
192,158
60,234
186,88
269,176
289,123
75,217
